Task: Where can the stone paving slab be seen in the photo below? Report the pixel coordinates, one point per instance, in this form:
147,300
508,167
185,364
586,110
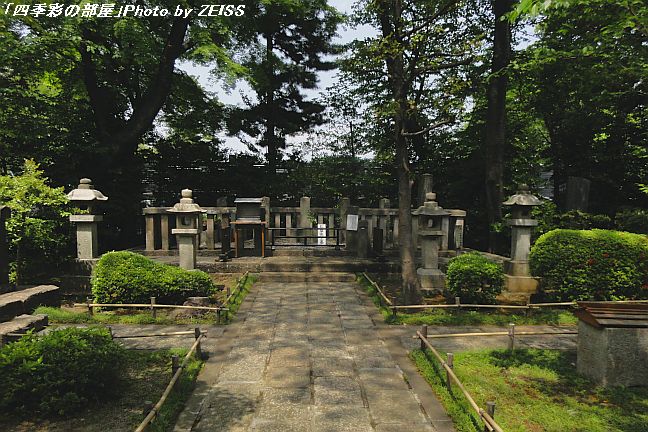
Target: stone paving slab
315,362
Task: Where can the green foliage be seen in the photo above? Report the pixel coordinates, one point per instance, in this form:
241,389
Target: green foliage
632,220
474,278
591,265
127,277
535,390
60,372
38,229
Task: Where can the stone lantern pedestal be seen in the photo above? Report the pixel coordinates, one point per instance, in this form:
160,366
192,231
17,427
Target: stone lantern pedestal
186,231
86,197
430,231
519,285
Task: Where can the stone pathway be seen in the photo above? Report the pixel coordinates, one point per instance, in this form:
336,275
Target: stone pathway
304,357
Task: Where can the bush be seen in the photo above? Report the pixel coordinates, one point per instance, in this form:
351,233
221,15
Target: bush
591,265
474,278
60,372
127,277
635,220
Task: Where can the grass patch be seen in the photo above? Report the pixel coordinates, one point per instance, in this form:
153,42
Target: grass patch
145,377
458,317
130,316
534,391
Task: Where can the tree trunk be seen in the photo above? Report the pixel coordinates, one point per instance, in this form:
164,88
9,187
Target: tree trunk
496,119
390,22
270,133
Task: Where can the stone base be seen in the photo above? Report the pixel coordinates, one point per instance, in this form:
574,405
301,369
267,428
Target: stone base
518,289
433,281
613,356
516,268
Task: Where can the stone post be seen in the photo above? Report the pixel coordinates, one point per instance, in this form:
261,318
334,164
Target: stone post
352,231
344,211
265,205
457,218
519,285
425,186
187,215
430,217
86,197
383,221
363,239
304,213
5,213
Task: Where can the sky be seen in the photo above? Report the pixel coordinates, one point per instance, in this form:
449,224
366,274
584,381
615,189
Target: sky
233,97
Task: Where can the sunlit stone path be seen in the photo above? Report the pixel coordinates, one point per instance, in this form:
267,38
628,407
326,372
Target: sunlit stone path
304,357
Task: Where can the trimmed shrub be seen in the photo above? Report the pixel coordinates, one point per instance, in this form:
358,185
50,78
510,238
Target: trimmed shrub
474,278
591,265
60,372
127,277
635,220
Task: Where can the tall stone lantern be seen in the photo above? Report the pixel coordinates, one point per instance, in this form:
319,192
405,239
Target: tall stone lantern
186,230
430,218
519,285
86,197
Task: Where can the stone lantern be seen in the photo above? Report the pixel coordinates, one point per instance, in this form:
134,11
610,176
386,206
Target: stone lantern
430,230
86,197
518,280
186,230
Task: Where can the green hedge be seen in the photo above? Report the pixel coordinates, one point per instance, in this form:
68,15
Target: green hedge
591,265
127,277
60,372
474,278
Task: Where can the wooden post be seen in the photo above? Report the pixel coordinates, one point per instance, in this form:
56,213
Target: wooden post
199,354
90,308
153,311
424,333
490,410
110,332
511,334
458,302
148,406
175,364
450,363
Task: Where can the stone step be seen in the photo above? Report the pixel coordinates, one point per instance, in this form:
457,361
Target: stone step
27,299
306,277
20,325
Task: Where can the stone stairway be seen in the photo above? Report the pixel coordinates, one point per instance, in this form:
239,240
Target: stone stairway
16,308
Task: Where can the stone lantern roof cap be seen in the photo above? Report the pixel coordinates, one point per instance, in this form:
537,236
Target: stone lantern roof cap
86,192
186,204
430,207
523,197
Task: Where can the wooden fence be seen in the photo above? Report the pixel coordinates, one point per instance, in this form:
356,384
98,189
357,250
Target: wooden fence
176,369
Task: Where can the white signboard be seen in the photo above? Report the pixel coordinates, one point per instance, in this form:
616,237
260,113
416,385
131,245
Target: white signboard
321,234
352,223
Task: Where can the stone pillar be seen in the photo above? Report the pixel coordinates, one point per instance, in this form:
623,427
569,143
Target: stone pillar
344,211
430,217
383,221
186,231
445,229
265,207
363,239
351,231
86,197
86,234
425,186
518,283
304,212
457,219
5,213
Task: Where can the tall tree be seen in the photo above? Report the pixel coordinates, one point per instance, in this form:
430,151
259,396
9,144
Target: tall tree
495,143
418,53
295,36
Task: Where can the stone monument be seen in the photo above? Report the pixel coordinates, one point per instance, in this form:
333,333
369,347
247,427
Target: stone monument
518,283
186,231
430,218
86,197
